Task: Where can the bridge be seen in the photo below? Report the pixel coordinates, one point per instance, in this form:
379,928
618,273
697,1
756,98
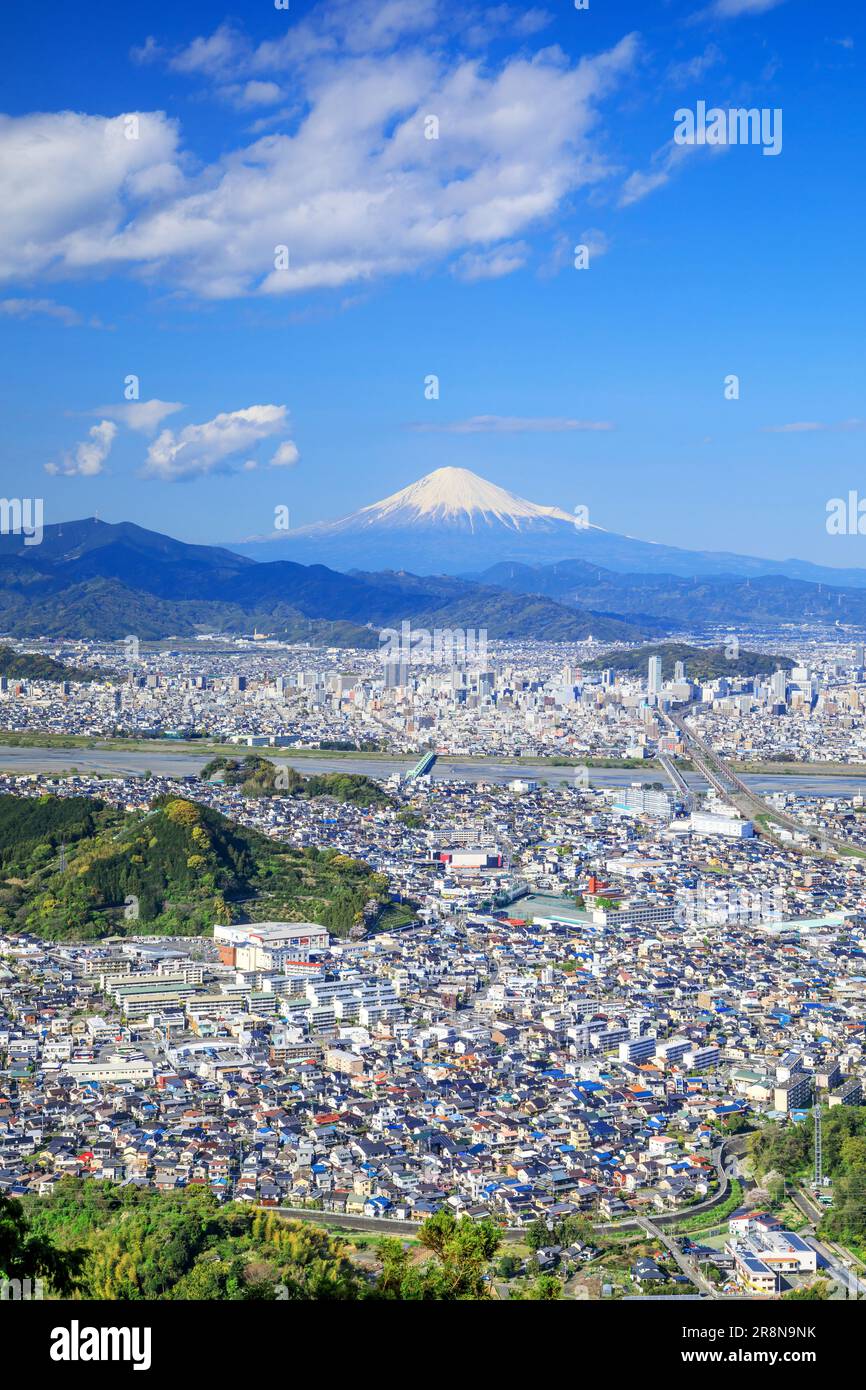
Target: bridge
676,779
734,790
422,767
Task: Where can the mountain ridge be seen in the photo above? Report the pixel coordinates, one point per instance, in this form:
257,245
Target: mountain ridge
454,521
105,581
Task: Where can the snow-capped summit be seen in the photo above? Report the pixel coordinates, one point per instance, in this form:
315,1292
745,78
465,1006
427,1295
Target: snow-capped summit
455,495
449,521
453,522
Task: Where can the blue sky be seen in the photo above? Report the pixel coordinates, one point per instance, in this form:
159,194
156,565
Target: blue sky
153,158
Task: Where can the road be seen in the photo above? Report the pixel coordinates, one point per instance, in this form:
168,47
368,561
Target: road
383,1226
744,798
834,1256
688,1267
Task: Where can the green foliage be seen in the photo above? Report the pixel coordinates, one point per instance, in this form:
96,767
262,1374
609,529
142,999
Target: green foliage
789,1151
137,1243
714,1215
130,1243
31,828
782,1150
820,1289
185,864
702,663
35,666
545,1288
27,1254
258,776
462,1251
571,1230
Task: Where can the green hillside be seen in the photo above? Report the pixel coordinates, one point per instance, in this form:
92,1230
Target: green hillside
702,663
32,829
22,666
258,776
182,866
92,1240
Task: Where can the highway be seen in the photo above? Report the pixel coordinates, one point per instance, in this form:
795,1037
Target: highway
742,797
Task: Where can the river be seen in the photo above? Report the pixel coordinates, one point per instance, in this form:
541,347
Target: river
164,762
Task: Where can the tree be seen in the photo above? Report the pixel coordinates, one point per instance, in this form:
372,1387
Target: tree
462,1251
820,1289
546,1289
537,1234
27,1255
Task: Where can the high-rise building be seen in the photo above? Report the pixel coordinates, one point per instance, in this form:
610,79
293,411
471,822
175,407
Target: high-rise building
654,679
679,672
396,674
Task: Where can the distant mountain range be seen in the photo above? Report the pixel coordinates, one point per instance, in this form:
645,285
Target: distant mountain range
93,579
453,522
97,580
713,599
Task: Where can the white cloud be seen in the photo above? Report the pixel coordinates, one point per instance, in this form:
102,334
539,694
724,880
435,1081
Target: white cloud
90,454
492,264
665,163
259,94
511,424
26,308
348,182
68,183
692,69
145,416
287,455
733,9
148,52
212,55
198,450
813,426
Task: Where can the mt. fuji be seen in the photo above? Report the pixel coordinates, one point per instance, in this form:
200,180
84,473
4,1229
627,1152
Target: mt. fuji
453,522
452,497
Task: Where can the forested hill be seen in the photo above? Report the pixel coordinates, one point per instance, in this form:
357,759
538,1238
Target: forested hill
258,776
35,666
701,663
76,868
